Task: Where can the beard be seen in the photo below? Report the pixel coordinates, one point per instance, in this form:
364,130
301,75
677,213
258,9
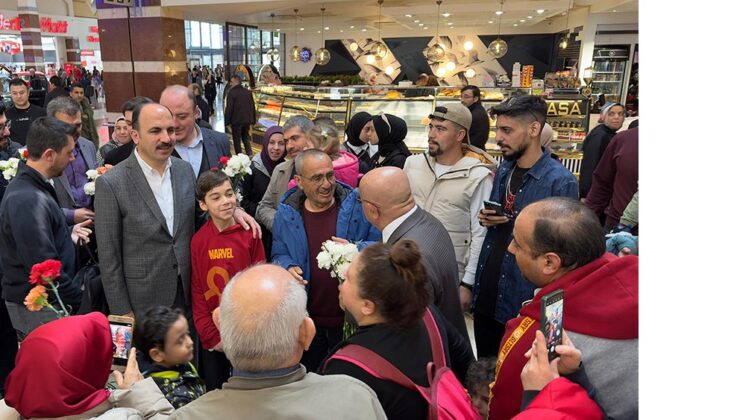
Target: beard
434,152
514,155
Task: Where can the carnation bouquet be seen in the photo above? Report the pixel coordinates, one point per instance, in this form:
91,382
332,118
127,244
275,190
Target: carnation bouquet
9,168
92,175
336,257
236,167
43,276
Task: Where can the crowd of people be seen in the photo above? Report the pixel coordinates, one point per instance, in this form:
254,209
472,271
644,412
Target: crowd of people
234,313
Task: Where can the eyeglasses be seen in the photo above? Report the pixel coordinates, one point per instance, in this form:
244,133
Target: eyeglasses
319,178
4,126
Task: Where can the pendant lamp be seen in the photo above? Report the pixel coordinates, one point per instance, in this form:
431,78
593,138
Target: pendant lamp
322,54
498,47
295,51
436,52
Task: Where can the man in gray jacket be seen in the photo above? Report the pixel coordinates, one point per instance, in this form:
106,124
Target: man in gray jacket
389,206
264,330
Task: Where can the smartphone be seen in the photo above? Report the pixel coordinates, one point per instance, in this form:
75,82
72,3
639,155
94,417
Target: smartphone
492,205
551,323
121,331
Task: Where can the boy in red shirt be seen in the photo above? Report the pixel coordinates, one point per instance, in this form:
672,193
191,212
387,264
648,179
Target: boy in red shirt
219,250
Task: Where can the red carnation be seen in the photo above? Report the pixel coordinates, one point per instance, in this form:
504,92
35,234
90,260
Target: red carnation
45,272
25,154
224,160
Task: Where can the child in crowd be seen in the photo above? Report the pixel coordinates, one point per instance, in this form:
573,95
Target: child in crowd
162,338
219,250
478,383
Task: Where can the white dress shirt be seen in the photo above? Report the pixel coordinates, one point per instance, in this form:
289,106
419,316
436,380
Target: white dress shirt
161,186
192,154
392,226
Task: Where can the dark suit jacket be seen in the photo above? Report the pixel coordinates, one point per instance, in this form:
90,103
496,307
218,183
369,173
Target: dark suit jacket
480,127
140,261
119,154
438,256
61,183
239,107
215,145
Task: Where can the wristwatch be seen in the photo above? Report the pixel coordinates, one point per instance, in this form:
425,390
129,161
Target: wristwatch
467,286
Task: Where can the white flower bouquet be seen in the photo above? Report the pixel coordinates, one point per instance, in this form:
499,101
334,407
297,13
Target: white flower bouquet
336,257
9,168
236,168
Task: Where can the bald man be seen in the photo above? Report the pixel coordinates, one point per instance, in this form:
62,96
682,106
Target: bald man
389,206
200,147
264,330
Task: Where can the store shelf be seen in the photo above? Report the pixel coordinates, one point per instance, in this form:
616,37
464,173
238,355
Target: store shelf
608,72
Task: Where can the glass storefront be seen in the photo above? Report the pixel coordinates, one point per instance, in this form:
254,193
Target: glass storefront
11,50
204,43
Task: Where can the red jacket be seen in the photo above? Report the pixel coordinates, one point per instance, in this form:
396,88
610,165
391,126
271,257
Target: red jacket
215,258
561,399
600,301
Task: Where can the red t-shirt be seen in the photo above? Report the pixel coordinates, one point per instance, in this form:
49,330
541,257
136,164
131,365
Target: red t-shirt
215,258
323,289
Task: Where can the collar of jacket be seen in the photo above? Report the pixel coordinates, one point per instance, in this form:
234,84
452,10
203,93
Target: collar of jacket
243,383
36,178
462,168
295,197
258,165
537,171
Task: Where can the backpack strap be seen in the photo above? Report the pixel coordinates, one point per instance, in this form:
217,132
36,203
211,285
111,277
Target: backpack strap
435,338
377,366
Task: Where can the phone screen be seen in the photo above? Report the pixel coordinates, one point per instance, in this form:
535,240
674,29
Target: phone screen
122,335
551,324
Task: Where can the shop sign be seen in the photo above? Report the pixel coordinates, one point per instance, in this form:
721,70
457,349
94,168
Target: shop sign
56,27
93,38
94,29
10,47
10,24
563,108
87,53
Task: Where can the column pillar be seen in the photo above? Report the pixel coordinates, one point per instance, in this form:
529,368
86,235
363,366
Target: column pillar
141,54
73,50
33,53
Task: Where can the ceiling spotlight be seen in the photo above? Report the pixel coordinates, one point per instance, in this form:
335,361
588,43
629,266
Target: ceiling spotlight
490,21
614,10
353,46
341,30
303,28
409,16
540,11
352,27
278,29
426,27
416,21
468,45
364,30
389,70
326,28
318,32
516,24
370,59
446,14
421,24
452,27
450,23
469,73
450,66
529,17
499,12
441,71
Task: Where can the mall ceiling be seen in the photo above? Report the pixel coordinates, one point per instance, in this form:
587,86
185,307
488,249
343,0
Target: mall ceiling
419,16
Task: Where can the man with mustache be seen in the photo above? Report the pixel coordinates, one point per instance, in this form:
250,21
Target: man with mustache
527,174
145,219
450,181
317,210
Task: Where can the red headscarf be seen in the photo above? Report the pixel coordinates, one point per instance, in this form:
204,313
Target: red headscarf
62,367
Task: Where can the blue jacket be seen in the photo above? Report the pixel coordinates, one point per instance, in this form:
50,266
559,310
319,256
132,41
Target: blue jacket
289,240
547,178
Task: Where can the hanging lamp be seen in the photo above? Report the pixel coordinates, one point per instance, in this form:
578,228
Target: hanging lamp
564,40
322,54
273,52
498,47
295,51
377,49
436,52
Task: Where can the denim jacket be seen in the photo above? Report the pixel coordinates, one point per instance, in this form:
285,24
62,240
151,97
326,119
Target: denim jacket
547,178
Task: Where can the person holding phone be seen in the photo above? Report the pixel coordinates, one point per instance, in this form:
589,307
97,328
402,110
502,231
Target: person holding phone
559,244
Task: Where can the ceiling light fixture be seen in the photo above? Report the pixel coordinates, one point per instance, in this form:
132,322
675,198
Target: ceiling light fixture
322,55
295,50
436,53
389,70
352,27
498,47
540,11
470,73
416,21
446,14
564,40
408,16
468,45
377,48
273,53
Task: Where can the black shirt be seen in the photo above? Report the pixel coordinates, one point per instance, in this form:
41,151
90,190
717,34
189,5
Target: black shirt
21,121
492,270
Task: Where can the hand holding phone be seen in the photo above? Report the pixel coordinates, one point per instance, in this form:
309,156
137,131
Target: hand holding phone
495,206
551,321
121,330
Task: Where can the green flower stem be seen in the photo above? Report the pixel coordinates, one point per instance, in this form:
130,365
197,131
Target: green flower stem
64,311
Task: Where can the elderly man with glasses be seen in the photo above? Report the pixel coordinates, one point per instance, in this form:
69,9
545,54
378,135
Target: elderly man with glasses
318,209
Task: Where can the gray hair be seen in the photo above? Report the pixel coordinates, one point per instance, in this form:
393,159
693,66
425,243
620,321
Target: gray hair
63,104
298,121
308,153
256,342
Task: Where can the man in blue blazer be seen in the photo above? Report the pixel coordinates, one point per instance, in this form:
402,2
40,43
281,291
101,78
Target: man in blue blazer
200,147
69,186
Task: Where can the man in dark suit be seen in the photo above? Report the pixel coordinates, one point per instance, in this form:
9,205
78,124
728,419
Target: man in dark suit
389,206
69,186
200,147
239,114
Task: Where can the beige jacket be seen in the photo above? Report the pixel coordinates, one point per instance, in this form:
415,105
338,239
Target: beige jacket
278,185
449,197
143,400
296,395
